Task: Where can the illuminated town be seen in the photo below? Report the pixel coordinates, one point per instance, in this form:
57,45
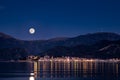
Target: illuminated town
69,66
69,59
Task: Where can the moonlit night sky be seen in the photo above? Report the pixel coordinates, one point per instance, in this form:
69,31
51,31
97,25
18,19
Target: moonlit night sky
58,18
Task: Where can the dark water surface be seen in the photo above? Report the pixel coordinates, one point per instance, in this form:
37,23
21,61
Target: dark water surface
51,70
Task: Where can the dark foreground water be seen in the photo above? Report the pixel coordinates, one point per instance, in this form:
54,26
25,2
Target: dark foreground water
77,70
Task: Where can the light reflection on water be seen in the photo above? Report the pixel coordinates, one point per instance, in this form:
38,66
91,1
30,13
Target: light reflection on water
60,69
31,78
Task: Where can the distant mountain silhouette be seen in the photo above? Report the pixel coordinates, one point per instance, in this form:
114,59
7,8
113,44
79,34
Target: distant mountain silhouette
103,49
87,39
13,53
7,41
58,39
83,45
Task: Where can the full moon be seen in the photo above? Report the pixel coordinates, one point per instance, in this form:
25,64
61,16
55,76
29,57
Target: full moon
31,30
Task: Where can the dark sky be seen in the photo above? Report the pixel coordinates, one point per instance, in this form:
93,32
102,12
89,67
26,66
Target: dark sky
58,18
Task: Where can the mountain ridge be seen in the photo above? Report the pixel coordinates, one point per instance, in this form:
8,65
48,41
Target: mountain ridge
39,46
60,38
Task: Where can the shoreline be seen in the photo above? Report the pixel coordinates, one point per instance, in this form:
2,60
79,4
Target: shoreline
65,60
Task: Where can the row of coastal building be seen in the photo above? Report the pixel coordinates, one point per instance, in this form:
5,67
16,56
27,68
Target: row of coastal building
67,59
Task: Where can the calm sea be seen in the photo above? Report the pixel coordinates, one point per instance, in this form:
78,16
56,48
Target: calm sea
51,70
